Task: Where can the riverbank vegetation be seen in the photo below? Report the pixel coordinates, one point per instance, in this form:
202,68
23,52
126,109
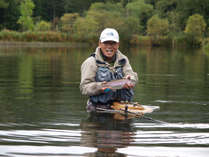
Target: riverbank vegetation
140,22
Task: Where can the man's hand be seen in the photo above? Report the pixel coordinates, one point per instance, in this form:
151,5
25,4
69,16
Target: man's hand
128,77
105,89
128,85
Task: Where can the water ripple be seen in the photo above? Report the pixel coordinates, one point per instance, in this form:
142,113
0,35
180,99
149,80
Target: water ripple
164,151
173,134
45,150
173,125
49,136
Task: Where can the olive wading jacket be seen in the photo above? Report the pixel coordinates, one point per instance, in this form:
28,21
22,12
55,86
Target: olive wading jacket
88,85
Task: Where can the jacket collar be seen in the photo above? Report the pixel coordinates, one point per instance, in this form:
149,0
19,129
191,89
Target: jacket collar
120,59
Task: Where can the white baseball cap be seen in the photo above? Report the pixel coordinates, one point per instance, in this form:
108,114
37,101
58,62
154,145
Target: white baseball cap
109,34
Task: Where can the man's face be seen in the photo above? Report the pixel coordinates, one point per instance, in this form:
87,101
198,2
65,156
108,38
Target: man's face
109,48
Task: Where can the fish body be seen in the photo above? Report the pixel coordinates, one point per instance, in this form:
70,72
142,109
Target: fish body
117,84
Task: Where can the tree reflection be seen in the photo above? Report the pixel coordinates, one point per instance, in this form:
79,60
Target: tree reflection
106,133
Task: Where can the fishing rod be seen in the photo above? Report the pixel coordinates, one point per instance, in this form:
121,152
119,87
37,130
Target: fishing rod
125,112
153,120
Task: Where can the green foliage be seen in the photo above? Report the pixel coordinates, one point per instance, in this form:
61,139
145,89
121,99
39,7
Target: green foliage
130,27
102,15
164,7
10,15
106,19
205,45
8,35
3,4
141,40
187,8
138,40
48,36
84,20
185,40
168,9
110,7
195,29
43,26
106,14
26,9
174,22
89,27
68,21
76,6
49,9
195,26
141,10
157,27
85,29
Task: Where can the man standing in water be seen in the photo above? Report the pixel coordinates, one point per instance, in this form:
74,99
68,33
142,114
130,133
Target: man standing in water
105,64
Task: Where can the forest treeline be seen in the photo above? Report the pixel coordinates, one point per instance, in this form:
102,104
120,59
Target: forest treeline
139,22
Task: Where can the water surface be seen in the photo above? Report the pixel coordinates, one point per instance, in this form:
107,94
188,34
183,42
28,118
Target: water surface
42,112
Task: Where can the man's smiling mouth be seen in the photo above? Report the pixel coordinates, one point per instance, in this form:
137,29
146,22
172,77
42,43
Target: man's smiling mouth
109,50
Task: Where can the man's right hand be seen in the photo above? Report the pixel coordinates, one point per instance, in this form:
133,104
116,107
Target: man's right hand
105,89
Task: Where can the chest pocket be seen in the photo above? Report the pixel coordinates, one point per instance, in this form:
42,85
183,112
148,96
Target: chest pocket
119,73
105,74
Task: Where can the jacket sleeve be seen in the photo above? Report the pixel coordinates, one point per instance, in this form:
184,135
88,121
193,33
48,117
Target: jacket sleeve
127,69
88,85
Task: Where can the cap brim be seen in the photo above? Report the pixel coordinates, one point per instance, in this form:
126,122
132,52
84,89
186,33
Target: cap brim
109,39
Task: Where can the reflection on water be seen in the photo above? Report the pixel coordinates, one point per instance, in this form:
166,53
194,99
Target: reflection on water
102,135
106,134
42,112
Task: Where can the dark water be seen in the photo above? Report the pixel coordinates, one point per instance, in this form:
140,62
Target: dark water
42,112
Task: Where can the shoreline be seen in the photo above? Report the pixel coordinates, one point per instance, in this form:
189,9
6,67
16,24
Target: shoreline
6,44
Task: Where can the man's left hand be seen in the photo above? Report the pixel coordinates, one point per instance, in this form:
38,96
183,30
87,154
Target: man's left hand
128,85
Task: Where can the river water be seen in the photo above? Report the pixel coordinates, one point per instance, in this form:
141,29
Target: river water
42,112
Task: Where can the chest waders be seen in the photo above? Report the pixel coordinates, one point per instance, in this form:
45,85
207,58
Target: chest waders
106,73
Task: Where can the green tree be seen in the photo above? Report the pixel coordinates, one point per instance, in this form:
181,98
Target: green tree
48,10
195,26
174,22
85,28
187,8
130,27
164,7
68,21
141,10
26,9
102,15
10,14
76,6
167,9
152,2
157,27
107,15
43,26
3,4
110,7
